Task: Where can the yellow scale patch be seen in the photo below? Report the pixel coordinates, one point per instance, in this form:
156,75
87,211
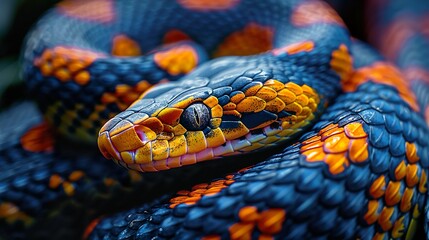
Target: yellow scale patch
397,195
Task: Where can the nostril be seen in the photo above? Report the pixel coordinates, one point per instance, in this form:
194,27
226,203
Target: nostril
145,134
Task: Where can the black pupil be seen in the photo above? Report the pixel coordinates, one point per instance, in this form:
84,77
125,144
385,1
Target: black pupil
195,117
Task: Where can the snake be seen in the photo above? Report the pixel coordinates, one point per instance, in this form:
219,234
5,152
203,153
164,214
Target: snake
338,131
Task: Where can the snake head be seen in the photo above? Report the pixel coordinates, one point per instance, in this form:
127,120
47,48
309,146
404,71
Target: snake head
206,116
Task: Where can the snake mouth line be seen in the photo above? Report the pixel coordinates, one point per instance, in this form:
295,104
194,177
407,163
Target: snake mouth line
142,154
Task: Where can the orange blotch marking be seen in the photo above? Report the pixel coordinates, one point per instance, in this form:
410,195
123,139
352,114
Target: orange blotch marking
314,13
342,62
125,95
175,35
102,11
411,152
38,139
200,190
383,73
207,5
252,39
55,181
337,147
91,226
67,63
177,60
294,48
12,214
124,46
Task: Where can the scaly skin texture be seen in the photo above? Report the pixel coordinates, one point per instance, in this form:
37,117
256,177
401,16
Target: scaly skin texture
360,172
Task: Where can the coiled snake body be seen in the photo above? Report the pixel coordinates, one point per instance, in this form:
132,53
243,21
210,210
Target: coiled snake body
359,171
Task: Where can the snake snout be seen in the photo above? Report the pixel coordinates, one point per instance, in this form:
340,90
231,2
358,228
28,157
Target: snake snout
126,142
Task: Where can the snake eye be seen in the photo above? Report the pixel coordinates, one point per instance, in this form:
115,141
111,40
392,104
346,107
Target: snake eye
195,117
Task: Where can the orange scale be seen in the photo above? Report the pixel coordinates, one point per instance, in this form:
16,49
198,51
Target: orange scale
406,201
338,143
200,186
271,220
393,193
178,199
412,177
192,200
337,163
311,145
76,175
315,155
331,132
384,220
55,181
401,171
241,230
358,150
355,130
378,187
183,193
411,152
248,214
229,182
371,216
311,140
327,128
